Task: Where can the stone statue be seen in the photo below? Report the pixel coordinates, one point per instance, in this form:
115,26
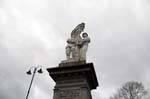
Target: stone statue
84,46
70,48
77,46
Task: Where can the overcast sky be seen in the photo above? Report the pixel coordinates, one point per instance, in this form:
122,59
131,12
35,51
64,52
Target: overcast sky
34,32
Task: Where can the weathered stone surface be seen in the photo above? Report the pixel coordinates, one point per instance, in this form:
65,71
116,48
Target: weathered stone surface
74,81
77,45
71,63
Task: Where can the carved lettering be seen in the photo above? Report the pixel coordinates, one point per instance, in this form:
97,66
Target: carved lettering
70,94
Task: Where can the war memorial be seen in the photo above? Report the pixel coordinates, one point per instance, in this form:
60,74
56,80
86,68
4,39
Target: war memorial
74,77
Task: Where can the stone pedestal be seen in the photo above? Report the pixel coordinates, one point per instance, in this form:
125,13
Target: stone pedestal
73,81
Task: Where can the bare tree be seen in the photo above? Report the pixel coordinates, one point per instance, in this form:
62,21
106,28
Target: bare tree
131,90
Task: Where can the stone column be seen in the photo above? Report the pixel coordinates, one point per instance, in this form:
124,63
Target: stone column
73,81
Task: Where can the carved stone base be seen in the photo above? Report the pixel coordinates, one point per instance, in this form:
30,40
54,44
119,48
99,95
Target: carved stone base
73,81
71,63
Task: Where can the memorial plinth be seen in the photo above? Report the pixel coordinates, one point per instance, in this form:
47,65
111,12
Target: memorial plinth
73,81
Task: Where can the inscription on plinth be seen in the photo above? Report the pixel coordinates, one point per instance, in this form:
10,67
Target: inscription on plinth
69,94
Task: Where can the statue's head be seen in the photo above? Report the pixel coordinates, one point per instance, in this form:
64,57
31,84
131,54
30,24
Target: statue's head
84,35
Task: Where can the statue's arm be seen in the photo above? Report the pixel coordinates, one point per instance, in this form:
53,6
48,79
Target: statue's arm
85,40
70,41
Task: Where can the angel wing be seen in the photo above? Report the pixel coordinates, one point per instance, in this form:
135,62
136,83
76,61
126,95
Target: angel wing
78,29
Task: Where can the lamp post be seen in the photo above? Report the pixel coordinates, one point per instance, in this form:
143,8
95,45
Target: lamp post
36,69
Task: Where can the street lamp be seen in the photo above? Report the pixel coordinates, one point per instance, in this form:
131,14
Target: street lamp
39,70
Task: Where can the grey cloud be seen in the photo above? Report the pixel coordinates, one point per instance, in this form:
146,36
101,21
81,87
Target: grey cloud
33,32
